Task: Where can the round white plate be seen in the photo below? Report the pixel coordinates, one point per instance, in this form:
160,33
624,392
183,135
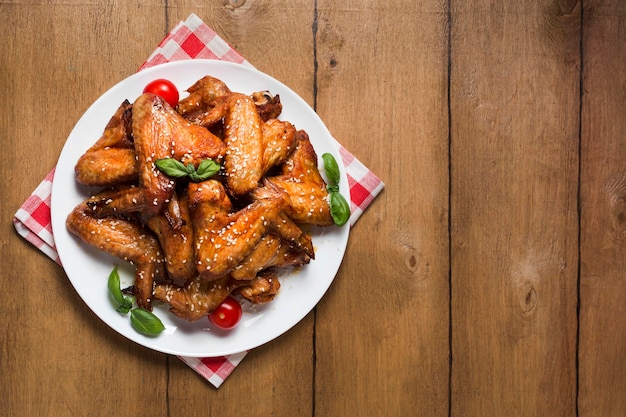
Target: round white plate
88,268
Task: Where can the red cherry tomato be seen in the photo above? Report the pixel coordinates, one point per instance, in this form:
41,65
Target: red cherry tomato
227,315
165,89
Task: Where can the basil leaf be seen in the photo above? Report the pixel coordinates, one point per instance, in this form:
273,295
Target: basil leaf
207,168
145,322
339,209
122,304
172,167
331,168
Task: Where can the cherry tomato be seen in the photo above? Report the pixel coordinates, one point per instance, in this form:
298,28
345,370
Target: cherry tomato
165,89
227,315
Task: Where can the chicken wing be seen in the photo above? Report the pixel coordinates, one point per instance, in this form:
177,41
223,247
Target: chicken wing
279,141
261,289
268,106
204,93
111,159
201,96
118,131
225,239
199,297
176,239
160,132
270,252
301,180
253,146
124,239
243,137
194,300
120,200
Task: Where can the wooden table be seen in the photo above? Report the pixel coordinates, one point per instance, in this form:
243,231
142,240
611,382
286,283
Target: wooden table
488,278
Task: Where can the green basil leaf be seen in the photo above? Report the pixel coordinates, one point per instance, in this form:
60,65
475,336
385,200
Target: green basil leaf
332,168
145,322
339,209
207,168
332,188
172,167
122,304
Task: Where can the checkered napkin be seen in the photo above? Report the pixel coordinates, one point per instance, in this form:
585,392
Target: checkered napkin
188,40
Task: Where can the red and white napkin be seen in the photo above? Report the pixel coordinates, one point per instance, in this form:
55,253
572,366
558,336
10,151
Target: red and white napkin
190,39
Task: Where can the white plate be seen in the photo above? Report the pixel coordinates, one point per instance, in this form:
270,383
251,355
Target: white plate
88,269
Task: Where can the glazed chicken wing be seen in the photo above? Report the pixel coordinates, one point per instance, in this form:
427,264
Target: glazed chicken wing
176,238
201,96
253,146
302,182
160,132
204,93
194,300
225,239
261,289
199,297
124,239
271,251
111,159
268,106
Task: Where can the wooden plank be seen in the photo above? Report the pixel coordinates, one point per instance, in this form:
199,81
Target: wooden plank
603,235
514,129
382,330
275,379
58,359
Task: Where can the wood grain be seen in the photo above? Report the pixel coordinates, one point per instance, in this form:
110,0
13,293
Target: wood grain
382,333
514,116
58,359
603,212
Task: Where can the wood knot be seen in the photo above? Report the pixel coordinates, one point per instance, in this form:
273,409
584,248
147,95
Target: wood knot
416,267
412,259
527,297
524,279
233,4
615,188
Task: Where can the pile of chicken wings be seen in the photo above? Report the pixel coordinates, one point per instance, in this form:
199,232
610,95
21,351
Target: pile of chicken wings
195,242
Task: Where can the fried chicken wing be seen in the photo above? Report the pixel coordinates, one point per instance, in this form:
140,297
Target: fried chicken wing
270,252
201,96
303,183
116,201
204,93
160,132
125,240
198,298
225,239
261,289
253,146
118,131
243,136
279,140
176,239
194,300
109,166
111,159
261,256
